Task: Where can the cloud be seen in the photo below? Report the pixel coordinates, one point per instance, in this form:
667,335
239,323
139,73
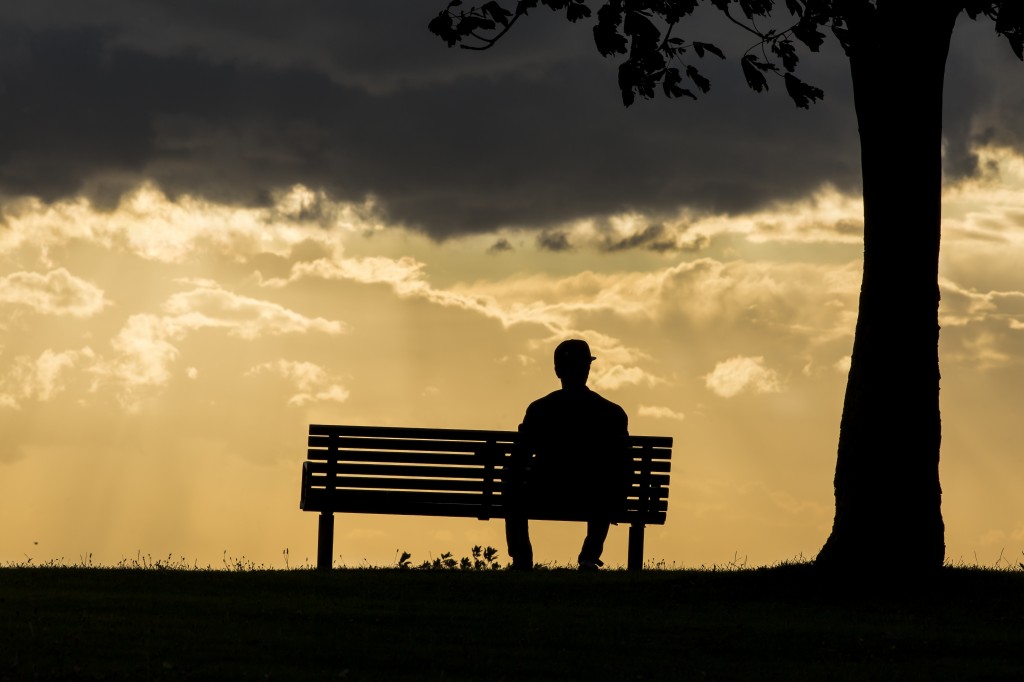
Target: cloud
843,364
312,381
149,224
741,374
979,328
147,345
618,376
210,307
40,378
405,274
660,412
823,215
143,353
58,292
407,277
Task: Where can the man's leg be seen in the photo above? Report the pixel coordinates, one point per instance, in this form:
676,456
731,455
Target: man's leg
593,545
517,535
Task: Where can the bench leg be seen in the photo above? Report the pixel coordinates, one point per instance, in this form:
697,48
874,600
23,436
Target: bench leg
635,553
325,542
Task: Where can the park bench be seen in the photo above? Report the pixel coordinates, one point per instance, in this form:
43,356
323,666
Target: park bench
451,472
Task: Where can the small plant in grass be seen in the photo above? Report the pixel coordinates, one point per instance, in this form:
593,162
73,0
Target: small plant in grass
486,558
482,559
443,562
240,564
147,562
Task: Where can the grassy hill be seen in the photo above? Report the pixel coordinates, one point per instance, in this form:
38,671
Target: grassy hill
382,624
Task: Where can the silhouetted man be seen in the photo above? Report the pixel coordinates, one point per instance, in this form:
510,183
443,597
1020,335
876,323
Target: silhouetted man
572,455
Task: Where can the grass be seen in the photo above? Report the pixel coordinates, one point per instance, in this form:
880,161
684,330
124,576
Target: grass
390,624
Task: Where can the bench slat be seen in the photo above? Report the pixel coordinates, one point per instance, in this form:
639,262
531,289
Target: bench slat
359,469
664,442
453,434
347,484
443,504
479,435
321,469
368,482
356,443
659,454
652,446
443,458
320,446
384,498
659,467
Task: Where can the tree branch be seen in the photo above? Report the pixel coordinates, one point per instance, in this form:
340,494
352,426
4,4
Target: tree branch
739,23
489,42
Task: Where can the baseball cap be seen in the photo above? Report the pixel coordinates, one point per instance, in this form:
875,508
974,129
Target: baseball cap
573,350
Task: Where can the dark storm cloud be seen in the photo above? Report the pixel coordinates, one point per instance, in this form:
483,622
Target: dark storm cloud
501,246
232,100
652,237
553,240
984,95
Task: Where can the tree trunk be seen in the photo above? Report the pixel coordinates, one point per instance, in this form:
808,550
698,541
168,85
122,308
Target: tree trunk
888,498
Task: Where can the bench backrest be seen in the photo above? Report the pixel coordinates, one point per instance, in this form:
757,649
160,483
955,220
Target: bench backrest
449,472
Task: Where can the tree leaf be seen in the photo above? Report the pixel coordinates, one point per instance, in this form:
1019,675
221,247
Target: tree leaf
674,10
702,83
670,83
606,31
751,71
786,52
645,34
577,11
802,93
1010,23
441,26
806,31
626,83
471,22
498,13
975,7
752,8
762,65
844,37
701,48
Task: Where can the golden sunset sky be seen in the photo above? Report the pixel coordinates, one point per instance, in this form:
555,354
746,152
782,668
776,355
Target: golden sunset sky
217,231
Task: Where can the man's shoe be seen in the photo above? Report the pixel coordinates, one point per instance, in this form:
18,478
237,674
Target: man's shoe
590,565
521,566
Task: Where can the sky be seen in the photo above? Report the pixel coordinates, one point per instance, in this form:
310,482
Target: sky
223,221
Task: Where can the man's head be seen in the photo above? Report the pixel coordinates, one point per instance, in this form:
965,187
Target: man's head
572,363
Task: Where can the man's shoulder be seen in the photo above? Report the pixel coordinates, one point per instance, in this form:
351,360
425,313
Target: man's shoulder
550,399
559,404
605,404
